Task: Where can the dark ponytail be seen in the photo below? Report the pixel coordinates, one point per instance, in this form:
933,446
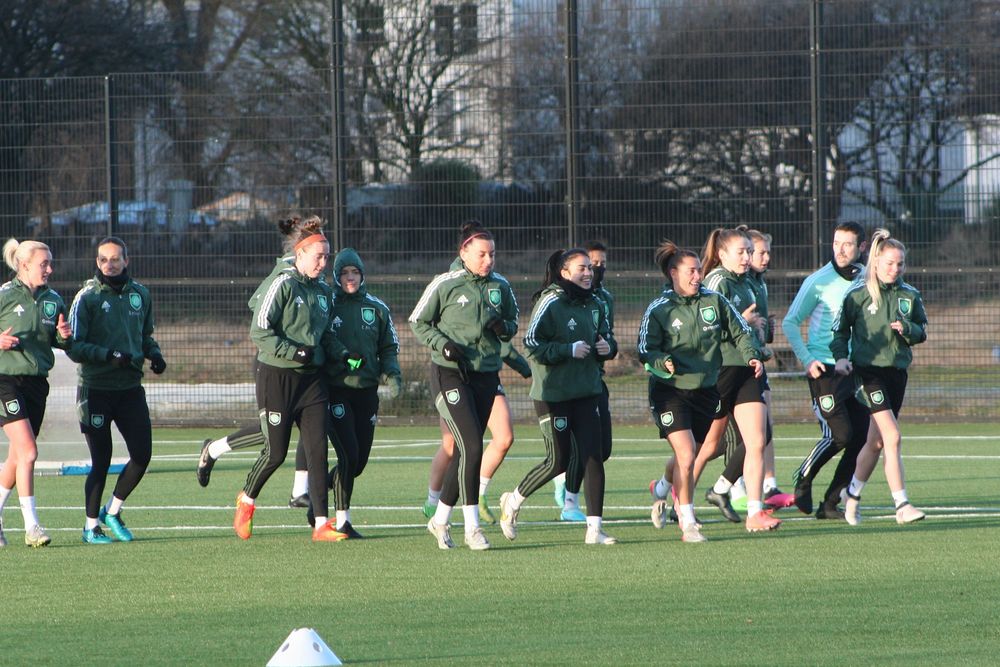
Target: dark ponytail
472,230
554,266
668,255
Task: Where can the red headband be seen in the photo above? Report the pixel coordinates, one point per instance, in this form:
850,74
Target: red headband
312,238
477,235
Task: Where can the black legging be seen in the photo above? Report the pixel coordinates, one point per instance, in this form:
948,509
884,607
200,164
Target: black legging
604,410
129,411
465,408
353,413
571,431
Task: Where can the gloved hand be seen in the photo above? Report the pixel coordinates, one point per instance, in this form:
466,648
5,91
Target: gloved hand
355,361
119,359
303,355
395,385
497,326
157,364
452,352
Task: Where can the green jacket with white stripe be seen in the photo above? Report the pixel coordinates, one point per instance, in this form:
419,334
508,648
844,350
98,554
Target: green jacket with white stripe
32,318
864,325
455,307
104,319
691,331
295,311
739,292
558,321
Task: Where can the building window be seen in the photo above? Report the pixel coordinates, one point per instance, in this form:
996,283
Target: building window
468,28
371,24
444,30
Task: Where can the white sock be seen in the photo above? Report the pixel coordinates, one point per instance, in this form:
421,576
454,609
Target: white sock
899,497
754,507
470,513
739,489
4,495
28,512
663,487
559,479
855,488
687,514
114,505
319,521
90,524
247,500
343,516
442,515
300,485
722,486
516,499
433,496
572,501
219,447
594,523
770,483
484,484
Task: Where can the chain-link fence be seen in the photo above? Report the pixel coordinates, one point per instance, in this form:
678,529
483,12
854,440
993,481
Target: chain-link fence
627,121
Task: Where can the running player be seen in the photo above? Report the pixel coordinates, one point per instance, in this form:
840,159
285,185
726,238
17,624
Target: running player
681,345
842,419
112,321
882,317
463,316
32,322
567,338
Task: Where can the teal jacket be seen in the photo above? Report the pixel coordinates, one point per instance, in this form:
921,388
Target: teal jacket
691,331
558,321
455,307
738,290
104,319
363,324
295,311
32,318
864,325
817,302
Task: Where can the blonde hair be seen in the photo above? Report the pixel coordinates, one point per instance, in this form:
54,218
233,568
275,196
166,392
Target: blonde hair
880,241
17,252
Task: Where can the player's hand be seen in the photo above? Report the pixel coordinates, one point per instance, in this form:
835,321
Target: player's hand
119,359
63,328
8,342
157,364
580,350
897,326
452,352
395,385
303,355
843,367
815,369
497,326
758,367
602,346
355,361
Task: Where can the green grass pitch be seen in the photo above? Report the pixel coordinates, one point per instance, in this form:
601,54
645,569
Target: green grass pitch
188,591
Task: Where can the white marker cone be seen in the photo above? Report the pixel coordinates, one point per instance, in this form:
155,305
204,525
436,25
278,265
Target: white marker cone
303,648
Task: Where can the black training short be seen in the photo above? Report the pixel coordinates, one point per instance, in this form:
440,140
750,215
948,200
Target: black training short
676,409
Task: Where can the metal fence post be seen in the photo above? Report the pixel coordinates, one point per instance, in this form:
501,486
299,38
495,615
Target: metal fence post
337,127
111,160
816,121
572,122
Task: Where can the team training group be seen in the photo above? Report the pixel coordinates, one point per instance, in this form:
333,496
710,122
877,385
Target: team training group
324,349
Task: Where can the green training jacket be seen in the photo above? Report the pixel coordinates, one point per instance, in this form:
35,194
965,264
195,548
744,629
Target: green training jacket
295,311
32,318
864,325
455,307
280,264
692,331
758,286
363,325
558,321
739,292
104,319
